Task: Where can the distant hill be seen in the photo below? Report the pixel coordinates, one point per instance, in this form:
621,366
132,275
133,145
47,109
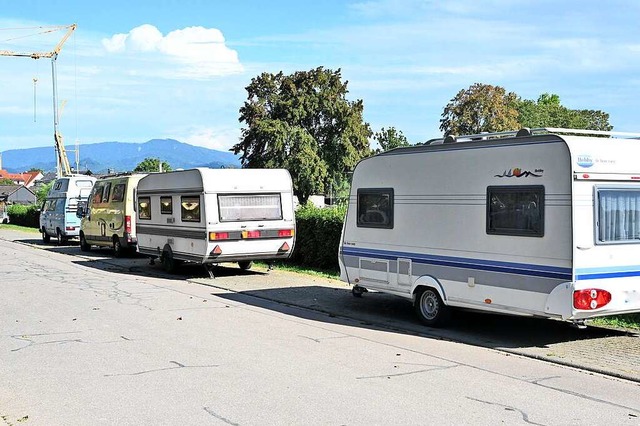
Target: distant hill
120,156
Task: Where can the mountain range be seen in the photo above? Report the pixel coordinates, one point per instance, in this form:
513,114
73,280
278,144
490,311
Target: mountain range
120,156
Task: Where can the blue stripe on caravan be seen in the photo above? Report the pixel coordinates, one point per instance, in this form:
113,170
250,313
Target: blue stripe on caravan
584,274
479,264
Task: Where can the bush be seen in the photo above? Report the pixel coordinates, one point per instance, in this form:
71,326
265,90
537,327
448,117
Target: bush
318,236
28,216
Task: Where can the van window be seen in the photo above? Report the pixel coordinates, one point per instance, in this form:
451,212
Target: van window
166,205
617,215
375,208
84,183
97,194
105,192
190,209
515,210
144,208
118,193
250,207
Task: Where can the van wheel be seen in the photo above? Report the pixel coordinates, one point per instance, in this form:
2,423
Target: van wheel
245,265
60,238
118,251
430,308
168,262
84,245
45,237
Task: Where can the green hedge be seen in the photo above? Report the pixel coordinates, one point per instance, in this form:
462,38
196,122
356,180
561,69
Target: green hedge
24,215
318,236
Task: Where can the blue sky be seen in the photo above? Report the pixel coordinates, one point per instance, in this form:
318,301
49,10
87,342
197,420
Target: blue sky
138,70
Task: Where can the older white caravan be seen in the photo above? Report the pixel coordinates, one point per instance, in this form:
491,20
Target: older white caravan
209,216
543,223
58,212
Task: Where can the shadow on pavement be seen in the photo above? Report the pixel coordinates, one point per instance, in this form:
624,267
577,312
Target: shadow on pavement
381,311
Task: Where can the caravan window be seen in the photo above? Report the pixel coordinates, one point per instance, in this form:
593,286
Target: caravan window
617,215
515,210
144,208
166,205
250,207
190,209
375,208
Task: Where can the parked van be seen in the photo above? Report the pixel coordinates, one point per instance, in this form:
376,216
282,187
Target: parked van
209,216
540,223
58,212
109,220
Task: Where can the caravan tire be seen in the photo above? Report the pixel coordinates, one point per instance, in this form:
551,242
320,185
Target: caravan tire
61,239
430,308
84,245
168,262
245,265
45,237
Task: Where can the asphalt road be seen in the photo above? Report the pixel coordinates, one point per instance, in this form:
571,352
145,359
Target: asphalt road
88,339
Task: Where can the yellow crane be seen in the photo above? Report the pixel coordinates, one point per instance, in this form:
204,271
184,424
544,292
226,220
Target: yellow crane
62,162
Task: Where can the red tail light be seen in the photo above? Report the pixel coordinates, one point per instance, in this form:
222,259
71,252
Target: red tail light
127,224
285,233
590,298
250,234
218,236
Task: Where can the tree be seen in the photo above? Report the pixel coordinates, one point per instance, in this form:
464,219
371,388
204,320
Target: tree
6,181
152,165
304,123
548,112
390,138
480,108
42,192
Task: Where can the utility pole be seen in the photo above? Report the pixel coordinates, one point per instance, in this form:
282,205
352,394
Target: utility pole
62,161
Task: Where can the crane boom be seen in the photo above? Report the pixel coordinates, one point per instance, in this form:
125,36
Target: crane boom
62,161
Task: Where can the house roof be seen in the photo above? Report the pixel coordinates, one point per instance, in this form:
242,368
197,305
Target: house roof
26,177
6,190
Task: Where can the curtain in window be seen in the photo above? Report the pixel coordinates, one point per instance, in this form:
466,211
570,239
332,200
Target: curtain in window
619,215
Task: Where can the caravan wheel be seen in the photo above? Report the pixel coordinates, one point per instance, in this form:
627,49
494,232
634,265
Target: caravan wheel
45,237
118,251
84,245
430,308
245,265
168,262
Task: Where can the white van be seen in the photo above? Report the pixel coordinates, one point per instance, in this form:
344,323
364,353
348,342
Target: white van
209,216
542,223
58,212
109,220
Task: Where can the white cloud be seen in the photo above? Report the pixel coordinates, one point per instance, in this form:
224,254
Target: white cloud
220,139
198,52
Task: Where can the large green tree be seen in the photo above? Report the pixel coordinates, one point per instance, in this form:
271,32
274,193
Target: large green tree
304,123
389,139
548,112
480,108
152,165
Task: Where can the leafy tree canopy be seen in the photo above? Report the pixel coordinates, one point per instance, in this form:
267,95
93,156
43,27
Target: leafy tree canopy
6,181
548,112
152,165
42,192
486,108
389,139
480,108
304,123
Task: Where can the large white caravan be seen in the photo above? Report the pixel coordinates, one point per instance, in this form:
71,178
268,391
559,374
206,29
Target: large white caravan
58,212
543,223
210,216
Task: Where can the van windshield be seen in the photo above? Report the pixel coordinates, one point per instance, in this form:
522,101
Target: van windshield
250,207
618,215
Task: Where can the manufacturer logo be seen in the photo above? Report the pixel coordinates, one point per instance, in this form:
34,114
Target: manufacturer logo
517,172
585,161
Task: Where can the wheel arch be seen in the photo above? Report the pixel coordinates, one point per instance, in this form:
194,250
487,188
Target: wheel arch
428,281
